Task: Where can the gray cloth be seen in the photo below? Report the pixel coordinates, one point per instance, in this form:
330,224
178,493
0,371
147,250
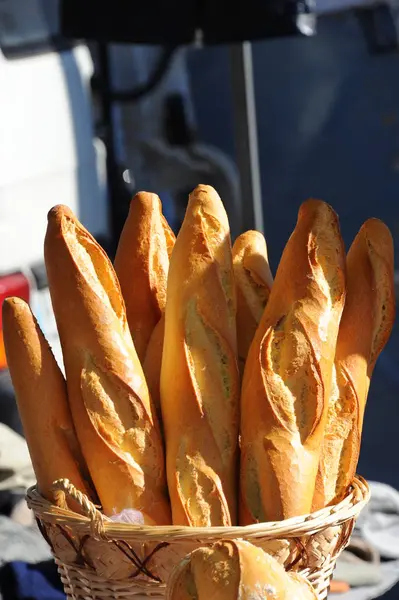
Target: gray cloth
379,521
390,576
16,471
359,565
378,526
21,543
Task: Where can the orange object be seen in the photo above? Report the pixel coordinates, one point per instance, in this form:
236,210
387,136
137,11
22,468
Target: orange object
339,587
3,360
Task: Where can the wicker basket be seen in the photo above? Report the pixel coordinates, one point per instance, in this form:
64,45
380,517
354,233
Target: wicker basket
100,559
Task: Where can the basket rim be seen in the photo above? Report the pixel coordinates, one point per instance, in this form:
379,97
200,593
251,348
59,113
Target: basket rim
348,508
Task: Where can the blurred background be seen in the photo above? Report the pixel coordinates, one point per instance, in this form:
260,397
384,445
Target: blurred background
301,111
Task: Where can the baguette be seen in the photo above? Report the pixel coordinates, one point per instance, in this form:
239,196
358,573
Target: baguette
365,327
141,264
153,363
199,376
287,378
109,398
253,284
42,403
235,570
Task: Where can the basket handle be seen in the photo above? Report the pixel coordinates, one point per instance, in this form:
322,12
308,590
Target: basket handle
89,510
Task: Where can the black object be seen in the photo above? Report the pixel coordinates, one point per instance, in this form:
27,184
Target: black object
40,275
9,500
178,22
177,130
8,406
119,192
10,417
224,22
379,24
135,94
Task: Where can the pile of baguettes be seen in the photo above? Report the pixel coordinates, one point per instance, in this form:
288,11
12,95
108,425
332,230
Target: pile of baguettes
198,390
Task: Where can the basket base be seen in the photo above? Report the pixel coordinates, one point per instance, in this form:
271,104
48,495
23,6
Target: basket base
80,584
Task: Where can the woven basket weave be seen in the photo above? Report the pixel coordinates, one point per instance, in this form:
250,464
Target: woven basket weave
100,559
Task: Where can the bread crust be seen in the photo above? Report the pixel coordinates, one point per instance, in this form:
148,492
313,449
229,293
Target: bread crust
365,327
109,399
199,376
287,378
235,570
253,280
152,366
42,403
141,264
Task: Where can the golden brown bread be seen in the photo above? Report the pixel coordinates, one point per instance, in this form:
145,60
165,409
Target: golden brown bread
141,264
235,570
42,402
199,376
288,372
365,327
108,395
253,284
153,363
